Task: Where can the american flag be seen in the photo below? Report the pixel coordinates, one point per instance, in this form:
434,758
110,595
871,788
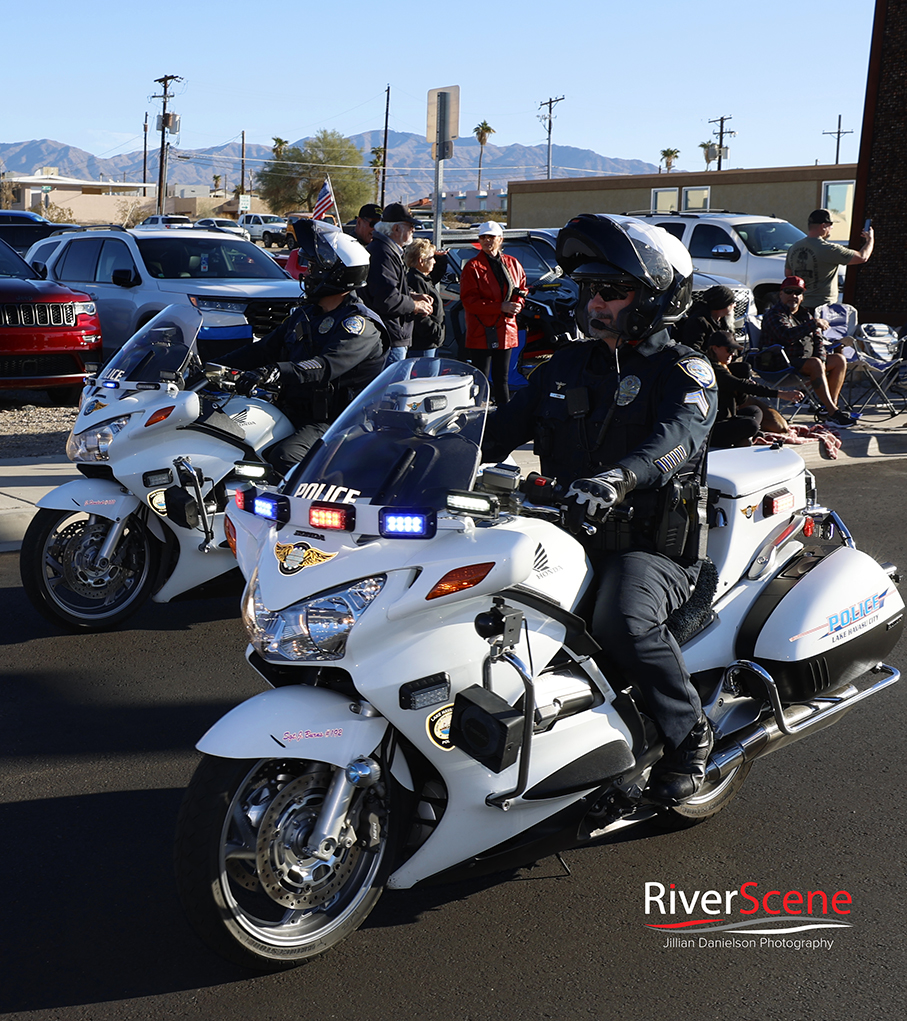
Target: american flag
325,200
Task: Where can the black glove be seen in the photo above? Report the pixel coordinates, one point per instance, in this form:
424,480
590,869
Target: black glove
252,378
602,492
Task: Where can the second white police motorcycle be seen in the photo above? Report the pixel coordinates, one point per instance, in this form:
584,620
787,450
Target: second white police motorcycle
160,445
436,708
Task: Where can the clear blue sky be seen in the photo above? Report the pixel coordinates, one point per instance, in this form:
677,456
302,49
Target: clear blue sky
637,77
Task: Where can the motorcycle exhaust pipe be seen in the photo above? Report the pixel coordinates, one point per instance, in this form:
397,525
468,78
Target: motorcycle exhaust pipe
790,724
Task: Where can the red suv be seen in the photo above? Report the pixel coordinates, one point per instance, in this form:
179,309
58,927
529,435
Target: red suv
47,332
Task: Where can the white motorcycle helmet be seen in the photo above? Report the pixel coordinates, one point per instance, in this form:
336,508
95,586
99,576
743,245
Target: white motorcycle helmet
595,248
336,262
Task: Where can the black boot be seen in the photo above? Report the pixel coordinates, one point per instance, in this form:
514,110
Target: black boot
680,773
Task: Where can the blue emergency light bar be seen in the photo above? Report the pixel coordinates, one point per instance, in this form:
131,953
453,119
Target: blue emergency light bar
402,523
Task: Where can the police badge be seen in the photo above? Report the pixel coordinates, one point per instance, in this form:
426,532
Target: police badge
326,325
628,390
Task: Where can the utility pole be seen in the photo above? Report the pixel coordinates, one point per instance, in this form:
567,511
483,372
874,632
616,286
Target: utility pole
145,158
721,133
387,113
548,118
838,134
162,169
242,166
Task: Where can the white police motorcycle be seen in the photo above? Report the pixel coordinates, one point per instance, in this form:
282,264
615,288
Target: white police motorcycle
436,709
160,445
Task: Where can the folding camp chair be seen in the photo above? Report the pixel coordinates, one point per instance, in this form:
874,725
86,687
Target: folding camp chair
773,367
872,382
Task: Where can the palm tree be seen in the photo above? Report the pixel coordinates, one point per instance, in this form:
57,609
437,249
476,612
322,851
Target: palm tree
706,152
279,147
669,155
377,165
217,180
482,131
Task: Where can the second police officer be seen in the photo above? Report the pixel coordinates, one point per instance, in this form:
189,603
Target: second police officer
326,351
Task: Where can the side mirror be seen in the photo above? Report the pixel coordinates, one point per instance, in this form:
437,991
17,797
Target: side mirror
728,252
41,269
124,278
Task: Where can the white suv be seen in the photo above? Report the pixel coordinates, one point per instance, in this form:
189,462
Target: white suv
748,248
132,275
265,227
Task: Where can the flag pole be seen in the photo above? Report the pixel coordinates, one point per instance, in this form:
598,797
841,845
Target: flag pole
333,200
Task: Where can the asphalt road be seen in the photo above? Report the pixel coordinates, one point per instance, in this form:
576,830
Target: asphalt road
97,735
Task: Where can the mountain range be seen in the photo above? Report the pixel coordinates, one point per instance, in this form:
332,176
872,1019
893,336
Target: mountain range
410,170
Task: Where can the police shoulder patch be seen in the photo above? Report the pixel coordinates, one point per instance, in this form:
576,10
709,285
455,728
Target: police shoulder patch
354,324
699,369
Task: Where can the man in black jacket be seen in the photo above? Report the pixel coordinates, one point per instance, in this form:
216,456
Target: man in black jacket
328,349
387,291
624,419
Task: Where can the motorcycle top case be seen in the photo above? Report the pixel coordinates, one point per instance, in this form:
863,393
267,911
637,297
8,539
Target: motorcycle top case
822,622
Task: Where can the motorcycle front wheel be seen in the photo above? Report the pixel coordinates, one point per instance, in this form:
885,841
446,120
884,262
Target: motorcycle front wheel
248,885
66,581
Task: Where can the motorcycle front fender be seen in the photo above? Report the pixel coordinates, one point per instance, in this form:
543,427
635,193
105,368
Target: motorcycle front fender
303,722
103,497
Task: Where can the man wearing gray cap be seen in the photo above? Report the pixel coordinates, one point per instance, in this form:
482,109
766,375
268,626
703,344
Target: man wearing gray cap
815,260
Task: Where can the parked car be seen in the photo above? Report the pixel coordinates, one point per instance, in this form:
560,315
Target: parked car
748,248
20,229
47,332
264,227
171,222
133,274
219,223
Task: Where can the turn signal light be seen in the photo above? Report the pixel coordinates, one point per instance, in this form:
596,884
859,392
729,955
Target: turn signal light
160,415
230,533
460,579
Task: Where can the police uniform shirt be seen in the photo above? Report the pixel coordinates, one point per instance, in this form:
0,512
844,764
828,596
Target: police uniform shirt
652,416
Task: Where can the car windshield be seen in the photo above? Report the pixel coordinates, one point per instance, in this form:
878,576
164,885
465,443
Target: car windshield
185,256
271,219
164,349
12,265
414,434
773,237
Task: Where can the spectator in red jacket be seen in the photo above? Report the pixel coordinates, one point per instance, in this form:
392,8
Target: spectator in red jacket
492,291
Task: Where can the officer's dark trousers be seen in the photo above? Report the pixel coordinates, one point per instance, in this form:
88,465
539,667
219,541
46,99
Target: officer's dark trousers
290,451
637,592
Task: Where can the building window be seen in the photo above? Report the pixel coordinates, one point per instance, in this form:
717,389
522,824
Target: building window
664,200
837,198
695,199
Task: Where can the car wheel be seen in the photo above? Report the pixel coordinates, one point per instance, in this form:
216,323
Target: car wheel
64,396
267,240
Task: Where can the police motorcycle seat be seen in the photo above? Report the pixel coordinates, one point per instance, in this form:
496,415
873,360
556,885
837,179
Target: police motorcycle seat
696,613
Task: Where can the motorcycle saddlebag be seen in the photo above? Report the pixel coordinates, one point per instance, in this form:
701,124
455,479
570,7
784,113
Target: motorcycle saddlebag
823,621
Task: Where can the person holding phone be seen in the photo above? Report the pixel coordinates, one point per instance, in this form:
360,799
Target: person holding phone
815,260
492,292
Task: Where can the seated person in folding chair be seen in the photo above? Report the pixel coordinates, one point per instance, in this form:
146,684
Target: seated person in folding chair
801,337
737,424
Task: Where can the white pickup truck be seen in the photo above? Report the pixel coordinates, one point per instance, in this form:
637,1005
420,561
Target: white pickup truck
265,227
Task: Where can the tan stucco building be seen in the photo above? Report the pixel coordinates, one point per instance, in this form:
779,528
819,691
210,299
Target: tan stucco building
790,193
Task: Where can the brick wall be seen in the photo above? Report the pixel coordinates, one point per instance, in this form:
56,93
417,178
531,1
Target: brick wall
879,289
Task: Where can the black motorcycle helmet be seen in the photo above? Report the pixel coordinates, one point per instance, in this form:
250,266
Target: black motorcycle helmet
598,248
336,262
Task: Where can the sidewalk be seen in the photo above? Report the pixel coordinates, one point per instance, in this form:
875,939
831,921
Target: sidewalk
23,481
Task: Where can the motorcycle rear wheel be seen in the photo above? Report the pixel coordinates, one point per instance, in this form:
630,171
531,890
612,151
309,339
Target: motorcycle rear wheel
62,579
246,884
711,799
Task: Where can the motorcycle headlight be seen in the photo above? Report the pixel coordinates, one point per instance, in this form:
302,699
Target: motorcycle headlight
314,629
93,444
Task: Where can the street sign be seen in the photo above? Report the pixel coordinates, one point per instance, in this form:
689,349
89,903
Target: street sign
245,203
453,114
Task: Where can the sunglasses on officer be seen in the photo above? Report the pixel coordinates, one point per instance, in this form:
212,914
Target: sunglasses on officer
607,290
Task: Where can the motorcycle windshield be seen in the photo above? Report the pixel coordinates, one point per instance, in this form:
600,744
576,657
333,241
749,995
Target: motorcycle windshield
163,349
411,436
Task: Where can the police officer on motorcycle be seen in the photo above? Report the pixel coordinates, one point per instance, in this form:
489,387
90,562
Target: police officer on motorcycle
326,351
622,421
